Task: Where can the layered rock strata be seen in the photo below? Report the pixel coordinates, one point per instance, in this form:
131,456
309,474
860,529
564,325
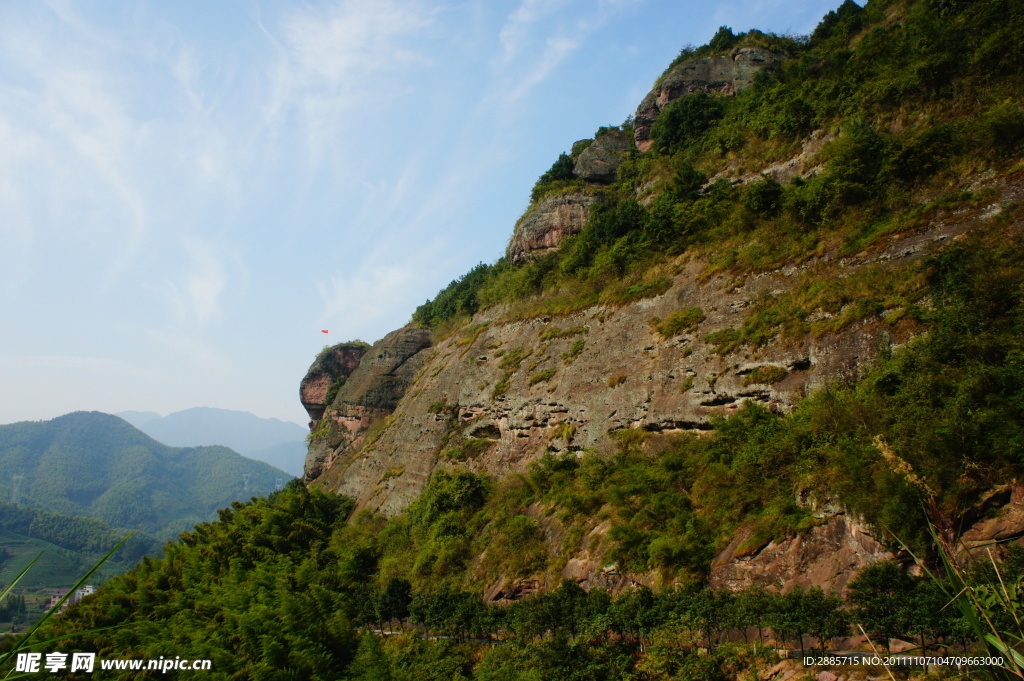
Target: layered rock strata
521,387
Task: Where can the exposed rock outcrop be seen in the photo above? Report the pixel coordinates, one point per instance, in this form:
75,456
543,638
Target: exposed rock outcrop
564,383
1004,521
548,222
828,556
724,74
804,165
386,370
599,161
370,393
333,364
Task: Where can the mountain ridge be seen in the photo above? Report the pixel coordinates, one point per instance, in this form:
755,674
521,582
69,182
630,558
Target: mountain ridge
278,443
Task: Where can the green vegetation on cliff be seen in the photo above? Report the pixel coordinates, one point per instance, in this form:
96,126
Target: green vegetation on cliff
909,99
286,587
291,586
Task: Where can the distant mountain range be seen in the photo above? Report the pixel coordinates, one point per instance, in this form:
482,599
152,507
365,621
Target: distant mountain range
100,466
282,444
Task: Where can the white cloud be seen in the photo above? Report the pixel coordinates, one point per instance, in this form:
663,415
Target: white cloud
334,60
537,37
329,46
363,301
78,150
515,34
556,50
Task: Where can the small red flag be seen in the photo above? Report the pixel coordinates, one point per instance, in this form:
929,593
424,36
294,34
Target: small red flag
323,331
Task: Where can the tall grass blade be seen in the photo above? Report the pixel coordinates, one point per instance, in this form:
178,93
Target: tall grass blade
978,605
24,641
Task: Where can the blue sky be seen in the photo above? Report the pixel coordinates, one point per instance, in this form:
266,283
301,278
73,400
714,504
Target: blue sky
190,191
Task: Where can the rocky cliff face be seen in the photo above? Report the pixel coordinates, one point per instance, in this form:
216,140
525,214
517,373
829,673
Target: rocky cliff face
370,393
522,385
503,391
332,365
724,74
546,224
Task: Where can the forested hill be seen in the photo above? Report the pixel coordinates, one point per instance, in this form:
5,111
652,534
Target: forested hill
66,547
74,533
97,465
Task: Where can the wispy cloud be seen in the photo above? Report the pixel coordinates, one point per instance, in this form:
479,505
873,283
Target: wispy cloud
331,44
515,34
70,108
96,151
363,300
334,60
539,35
556,50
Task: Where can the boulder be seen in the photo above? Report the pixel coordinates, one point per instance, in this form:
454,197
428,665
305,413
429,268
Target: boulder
547,224
1004,511
370,393
332,364
386,370
724,74
828,556
599,161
